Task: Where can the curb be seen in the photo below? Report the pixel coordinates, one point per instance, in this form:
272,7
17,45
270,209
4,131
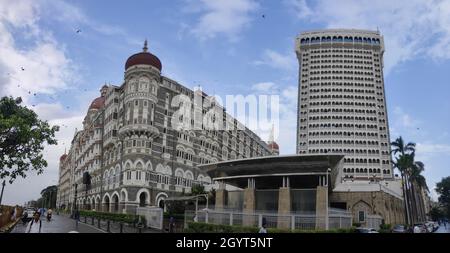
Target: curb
8,228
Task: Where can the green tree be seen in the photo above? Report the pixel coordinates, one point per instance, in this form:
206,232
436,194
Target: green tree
403,160
197,189
443,189
436,214
22,139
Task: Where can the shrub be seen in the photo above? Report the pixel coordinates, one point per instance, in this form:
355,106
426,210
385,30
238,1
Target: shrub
200,227
118,217
385,226
356,224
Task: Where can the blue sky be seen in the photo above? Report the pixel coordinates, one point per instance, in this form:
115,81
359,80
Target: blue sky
227,47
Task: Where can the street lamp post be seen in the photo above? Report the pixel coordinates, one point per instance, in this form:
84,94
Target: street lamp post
327,222
75,201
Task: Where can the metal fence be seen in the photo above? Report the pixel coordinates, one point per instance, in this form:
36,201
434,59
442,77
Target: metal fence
301,221
374,221
153,216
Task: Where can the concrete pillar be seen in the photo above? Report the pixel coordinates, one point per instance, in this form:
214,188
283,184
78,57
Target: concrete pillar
221,195
284,208
249,207
322,207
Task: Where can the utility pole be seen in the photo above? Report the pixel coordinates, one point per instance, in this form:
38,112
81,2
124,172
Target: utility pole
3,187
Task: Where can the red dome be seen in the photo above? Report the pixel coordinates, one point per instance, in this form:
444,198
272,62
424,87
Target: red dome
273,146
144,58
97,103
63,157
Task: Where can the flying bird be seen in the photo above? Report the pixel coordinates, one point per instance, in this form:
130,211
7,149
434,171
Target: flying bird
263,16
78,31
22,68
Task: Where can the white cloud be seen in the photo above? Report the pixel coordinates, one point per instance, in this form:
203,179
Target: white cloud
47,69
301,7
222,17
265,87
279,61
410,27
287,115
433,148
42,67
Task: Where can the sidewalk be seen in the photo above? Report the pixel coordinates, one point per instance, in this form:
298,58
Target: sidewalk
60,224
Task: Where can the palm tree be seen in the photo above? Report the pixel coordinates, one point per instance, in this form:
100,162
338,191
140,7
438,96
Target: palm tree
418,181
403,161
400,147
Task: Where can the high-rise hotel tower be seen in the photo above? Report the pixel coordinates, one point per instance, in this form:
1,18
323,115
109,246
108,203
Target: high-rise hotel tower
341,102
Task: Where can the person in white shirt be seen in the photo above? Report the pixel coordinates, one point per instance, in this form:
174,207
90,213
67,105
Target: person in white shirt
417,230
263,229
35,225
14,214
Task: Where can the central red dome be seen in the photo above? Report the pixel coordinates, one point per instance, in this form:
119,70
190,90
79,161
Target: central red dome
97,103
144,58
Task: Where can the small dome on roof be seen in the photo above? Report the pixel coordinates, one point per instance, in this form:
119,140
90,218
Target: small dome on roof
144,58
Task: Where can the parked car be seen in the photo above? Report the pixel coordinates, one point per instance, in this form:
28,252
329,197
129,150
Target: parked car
366,231
429,226
399,229
422,228
27,215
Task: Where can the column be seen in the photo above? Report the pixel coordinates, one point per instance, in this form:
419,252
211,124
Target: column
221,197
250,204
322,204
284,205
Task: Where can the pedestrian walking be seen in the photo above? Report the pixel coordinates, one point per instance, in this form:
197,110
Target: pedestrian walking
171,225
35,225
263,229
49,214
14,214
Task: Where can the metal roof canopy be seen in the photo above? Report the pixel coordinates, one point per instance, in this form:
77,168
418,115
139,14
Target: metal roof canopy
274,166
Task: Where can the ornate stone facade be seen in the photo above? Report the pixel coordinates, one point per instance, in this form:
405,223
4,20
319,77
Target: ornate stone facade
133,154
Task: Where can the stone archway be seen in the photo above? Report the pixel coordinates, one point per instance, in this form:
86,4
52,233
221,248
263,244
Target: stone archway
142,199
360,211
106,204
160,197
161,203
115,201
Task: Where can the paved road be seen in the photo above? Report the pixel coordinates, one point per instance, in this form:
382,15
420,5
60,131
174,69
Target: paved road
443,229
59,224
